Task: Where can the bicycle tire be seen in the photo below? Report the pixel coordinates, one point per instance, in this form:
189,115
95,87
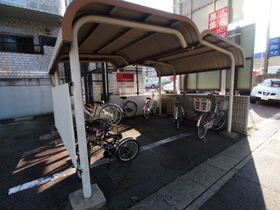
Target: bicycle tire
119,114
201,129
113,130
130,109
220,120
127,150
146,108
146,114
154,109
182,115
177,124
111,113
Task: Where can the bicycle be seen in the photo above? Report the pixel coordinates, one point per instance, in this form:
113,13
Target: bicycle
179,113
212,115
150,106
106,112
108,139
129,107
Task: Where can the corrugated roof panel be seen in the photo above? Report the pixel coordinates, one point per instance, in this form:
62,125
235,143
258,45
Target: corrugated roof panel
150,47
137,39
126,39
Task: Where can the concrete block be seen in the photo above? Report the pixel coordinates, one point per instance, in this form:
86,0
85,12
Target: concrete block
78,202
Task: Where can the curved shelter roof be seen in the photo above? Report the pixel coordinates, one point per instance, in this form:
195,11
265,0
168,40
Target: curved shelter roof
122,34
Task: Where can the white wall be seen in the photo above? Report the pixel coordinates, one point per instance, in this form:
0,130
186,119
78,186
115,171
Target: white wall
22,101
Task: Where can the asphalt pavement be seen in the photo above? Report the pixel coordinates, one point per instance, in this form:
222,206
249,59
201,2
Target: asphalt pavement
174,170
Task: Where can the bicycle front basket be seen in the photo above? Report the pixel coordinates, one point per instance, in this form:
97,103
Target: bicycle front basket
202,104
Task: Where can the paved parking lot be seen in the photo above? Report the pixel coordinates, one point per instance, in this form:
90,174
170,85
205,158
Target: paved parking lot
30,156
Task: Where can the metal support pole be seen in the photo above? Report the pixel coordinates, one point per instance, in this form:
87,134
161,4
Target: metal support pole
223,82
159,94
232,71
137,80
104,82
79,111
56,77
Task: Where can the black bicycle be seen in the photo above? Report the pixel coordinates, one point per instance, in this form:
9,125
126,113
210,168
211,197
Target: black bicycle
107,138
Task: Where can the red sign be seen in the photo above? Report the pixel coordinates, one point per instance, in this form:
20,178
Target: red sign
125,80
125,77
218,21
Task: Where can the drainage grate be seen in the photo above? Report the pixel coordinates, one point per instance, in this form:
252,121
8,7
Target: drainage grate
23,137
174,161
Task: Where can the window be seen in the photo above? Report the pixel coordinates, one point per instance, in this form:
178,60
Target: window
19,44
47,40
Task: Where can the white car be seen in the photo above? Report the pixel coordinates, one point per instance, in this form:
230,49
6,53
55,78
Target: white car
149,83
169,88
269,89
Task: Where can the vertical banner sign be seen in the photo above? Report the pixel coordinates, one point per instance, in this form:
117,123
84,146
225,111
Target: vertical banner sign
218,21
274,47
125,80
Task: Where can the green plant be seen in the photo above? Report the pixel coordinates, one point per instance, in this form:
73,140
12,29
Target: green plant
249,128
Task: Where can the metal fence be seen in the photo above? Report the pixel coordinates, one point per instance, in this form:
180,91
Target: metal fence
19,44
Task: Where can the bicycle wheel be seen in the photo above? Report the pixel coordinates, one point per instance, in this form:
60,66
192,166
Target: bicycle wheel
147,108
113,130
181,115
177,124
127,150
201,129
109,113
130,109
154,109
118,114
220,120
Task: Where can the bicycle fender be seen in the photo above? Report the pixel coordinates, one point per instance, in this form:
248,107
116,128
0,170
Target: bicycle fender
199,120
176,113
127,139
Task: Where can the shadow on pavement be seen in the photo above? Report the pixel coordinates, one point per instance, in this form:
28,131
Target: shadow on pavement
124,184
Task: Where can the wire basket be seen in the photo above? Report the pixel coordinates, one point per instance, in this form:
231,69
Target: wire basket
202,104
223,105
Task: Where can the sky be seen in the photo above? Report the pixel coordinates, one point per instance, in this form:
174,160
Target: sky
164,5
255,11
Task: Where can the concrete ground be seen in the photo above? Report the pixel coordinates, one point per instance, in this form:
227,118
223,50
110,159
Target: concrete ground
174,170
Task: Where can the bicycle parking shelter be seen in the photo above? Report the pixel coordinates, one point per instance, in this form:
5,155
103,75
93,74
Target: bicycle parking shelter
122,34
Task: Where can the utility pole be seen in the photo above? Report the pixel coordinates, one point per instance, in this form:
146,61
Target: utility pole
267,40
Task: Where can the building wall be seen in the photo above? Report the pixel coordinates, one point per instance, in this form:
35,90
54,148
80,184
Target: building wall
25,86
56,7
22,101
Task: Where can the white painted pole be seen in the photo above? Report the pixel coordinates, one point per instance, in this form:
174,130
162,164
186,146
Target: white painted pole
159,93
223,82
232,66
79,111
56,77
179,84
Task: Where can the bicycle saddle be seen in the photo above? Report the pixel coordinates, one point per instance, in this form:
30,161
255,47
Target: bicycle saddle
117,136
149,98
124,97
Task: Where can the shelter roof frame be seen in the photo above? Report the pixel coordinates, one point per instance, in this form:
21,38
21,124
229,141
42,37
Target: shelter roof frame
122,34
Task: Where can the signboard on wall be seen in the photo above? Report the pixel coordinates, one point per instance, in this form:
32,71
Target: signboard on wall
125,80
218,21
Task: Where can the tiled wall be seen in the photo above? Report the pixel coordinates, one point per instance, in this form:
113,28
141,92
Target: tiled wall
239,116
22,65
56,7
